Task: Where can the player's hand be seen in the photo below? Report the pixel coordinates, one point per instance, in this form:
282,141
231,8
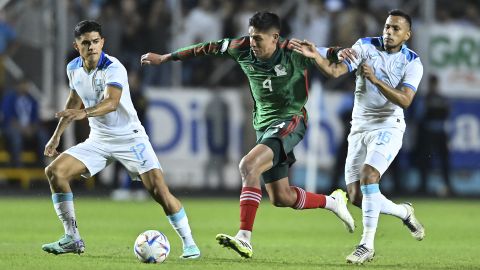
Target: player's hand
349,54
71,114
304,47
154,59
51,147
368,73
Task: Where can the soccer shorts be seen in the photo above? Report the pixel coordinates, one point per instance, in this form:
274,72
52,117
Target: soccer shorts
281,136
135,154
377,148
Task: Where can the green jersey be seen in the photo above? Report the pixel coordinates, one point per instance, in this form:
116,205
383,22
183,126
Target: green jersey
279,85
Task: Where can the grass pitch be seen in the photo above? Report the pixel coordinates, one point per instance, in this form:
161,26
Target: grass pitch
283,238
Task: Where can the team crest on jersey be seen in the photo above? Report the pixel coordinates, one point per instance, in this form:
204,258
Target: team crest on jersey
98,86
280,70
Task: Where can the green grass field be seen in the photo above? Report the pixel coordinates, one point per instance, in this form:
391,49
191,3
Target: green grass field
283,238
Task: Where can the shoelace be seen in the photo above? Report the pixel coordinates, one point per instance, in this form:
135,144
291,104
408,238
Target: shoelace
361,250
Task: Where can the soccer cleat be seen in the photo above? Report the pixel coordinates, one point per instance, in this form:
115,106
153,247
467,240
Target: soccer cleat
243,248
341,209
412,223
66,244
360,255
190,252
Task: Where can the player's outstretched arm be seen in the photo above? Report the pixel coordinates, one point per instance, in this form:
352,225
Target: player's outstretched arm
73,102
329,68
155,59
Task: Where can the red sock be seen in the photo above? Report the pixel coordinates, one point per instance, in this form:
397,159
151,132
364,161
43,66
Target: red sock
308,200
249,201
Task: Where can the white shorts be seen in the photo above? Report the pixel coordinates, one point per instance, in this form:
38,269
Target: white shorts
135,154
377,148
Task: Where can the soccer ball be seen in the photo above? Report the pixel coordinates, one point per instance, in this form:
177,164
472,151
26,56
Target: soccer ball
151,247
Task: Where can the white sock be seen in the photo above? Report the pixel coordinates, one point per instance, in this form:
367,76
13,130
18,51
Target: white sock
244,235
371,204
391,208
179,222
63,204
330,203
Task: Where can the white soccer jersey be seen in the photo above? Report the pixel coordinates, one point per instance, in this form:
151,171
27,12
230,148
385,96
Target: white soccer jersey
91,86
372,110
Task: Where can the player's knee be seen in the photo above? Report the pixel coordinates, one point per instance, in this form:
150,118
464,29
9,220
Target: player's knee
247,168
54,172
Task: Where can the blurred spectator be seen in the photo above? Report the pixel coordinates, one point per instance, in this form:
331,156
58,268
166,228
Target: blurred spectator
432,142
158,37
354,21
8,45
112,28
246,10
202,23
22,124
312,22
134,32
218,139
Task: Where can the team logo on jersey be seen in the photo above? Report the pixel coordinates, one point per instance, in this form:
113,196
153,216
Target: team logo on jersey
98,86
278,127
280,70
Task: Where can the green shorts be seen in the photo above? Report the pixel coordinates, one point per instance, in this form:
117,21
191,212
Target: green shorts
281,136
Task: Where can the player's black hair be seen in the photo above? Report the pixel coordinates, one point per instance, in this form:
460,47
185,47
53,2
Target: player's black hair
265,20
87,26
400,13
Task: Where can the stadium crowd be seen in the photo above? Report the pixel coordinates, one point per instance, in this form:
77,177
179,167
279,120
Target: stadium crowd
133,27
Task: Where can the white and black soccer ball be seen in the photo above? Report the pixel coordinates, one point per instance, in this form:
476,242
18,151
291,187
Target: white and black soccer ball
151,247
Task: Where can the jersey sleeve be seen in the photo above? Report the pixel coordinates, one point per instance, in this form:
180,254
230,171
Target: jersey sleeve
70,79
359,48
224,47
413,75
116,75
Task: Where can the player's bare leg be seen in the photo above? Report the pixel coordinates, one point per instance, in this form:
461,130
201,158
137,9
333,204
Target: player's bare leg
59,173
155,184
258,160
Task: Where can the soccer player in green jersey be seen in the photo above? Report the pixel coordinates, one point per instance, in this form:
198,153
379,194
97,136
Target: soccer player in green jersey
279,87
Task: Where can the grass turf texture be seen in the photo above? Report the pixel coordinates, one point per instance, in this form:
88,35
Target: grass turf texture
283,238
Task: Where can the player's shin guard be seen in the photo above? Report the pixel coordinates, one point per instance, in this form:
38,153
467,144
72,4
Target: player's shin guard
308,200
249,201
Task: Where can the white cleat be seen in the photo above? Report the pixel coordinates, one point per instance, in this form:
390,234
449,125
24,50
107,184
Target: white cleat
360,255
243,248
412,223
341,209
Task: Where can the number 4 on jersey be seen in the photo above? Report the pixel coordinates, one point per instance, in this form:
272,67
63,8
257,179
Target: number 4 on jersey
268,84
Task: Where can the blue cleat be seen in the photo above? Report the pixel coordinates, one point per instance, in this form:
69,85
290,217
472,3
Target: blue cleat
190,252
66,244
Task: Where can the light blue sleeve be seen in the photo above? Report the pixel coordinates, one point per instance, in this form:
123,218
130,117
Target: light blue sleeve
116,75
